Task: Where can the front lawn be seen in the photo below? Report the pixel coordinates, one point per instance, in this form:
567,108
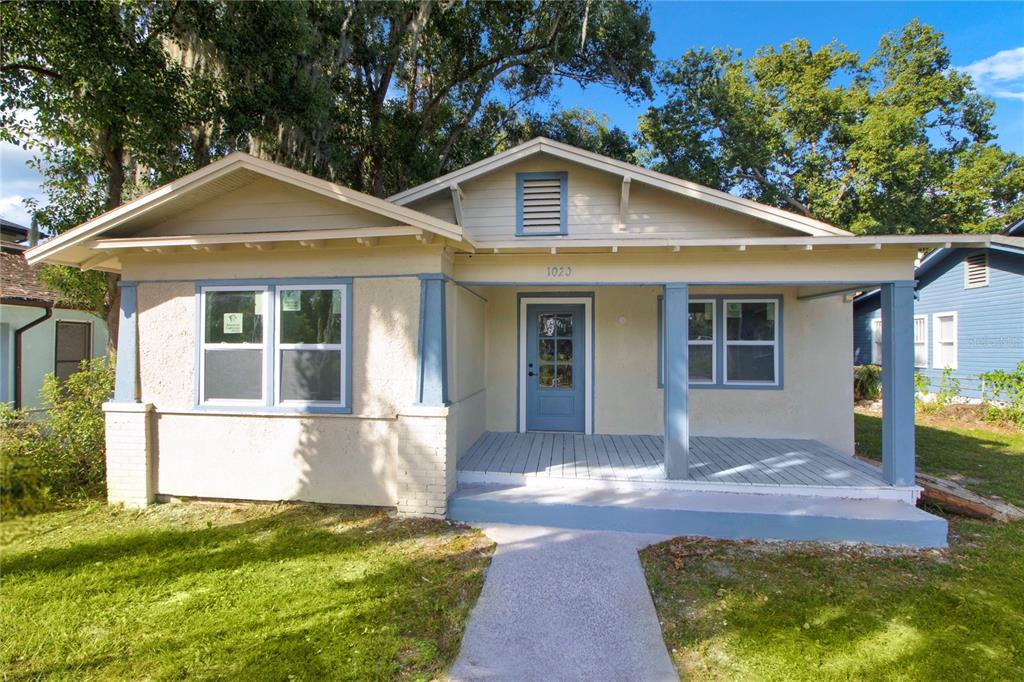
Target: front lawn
800,611
234,592
986,460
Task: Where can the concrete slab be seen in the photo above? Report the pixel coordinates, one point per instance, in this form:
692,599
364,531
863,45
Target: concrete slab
562,604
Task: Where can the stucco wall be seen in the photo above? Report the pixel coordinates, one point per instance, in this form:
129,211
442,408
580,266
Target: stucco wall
330,458
466,317
38,348
814,403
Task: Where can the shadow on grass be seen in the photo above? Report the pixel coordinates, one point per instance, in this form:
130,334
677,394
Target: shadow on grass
989,462
301,593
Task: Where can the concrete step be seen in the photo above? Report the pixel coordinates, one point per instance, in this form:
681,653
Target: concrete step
718,515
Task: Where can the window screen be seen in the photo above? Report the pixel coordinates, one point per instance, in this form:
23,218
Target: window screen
73,344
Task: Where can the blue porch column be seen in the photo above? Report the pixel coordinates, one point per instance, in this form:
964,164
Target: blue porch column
677,381
898,382
126,369
432,383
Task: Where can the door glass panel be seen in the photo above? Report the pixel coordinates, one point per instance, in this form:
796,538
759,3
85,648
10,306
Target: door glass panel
564,350
546,325
564,325
547,376
547,350
563,376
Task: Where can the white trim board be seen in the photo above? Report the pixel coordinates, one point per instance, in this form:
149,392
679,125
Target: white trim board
588,354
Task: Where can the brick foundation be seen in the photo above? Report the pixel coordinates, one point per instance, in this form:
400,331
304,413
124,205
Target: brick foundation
426,474
130,467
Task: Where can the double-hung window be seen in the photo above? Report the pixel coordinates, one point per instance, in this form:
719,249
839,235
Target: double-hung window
277,346
702,337
744,351
920,341
944,328
232,355
751,342
310,350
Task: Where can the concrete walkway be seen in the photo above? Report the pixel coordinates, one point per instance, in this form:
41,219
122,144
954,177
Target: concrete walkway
562,604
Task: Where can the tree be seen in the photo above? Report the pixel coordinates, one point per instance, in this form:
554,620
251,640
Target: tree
897,143
107,106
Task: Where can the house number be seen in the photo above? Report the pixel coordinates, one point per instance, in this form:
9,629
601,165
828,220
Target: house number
560,271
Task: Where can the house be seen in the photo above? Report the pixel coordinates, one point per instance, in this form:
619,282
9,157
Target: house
37,335
968,313
545,335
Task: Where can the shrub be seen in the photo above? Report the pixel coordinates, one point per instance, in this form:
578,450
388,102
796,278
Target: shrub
921,384
1007,390
61,456
867,382
949,389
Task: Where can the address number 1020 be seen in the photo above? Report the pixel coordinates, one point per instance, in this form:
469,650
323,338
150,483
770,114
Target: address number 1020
559,271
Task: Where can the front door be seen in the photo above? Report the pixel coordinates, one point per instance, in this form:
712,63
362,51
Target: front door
555,391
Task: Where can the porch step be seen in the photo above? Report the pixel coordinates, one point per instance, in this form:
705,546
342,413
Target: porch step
733,516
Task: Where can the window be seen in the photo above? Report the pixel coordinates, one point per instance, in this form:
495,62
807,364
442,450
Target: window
73,344
751,333
233,351
748,356
976,271
701,330
945,346
541,204
309,345
920,340
298,333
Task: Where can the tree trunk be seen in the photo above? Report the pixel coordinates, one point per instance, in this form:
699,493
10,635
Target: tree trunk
112,303
113,154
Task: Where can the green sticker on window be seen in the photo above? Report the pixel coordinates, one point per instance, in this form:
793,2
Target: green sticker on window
771,313
733,310
232,323
291,300
336,302
258,303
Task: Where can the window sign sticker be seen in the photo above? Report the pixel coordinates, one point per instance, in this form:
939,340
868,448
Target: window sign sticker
732,310
291,300
233,323
771,313
336,302
707,311
258,303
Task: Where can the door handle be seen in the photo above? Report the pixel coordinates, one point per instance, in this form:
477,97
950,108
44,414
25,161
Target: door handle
530,374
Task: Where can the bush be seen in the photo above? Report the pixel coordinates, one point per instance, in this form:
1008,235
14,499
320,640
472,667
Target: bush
1004,395
867,382
61,457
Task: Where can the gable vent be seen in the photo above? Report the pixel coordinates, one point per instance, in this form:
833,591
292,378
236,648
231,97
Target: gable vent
976,271
542,205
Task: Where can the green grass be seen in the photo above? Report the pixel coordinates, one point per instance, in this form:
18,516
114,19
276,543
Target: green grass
800,611
987,461
204,591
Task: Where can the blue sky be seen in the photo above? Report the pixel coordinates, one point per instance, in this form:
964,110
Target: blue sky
985,38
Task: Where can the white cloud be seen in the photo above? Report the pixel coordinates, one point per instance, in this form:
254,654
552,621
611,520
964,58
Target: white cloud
12,207
1001,75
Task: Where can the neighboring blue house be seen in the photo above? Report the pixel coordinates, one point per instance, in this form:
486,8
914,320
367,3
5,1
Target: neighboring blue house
968,313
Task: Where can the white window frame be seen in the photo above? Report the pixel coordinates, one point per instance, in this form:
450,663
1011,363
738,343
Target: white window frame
204,346
726,342
938,343
923,343
280,346
713,342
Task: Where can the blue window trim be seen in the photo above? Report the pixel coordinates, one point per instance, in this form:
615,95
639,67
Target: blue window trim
554,175
720,383
269,365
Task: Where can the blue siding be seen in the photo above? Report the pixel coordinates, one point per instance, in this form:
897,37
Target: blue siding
990,324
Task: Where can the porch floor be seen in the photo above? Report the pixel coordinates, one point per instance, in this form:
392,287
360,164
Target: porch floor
756,462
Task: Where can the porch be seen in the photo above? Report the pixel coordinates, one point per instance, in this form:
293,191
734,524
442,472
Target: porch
716,464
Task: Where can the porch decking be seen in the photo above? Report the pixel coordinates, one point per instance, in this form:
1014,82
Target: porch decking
720,464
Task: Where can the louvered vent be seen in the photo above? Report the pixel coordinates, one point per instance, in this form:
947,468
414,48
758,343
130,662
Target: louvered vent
976,271
542,206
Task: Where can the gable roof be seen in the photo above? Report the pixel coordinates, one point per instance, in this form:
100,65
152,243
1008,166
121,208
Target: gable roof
219,177
18,283
543,145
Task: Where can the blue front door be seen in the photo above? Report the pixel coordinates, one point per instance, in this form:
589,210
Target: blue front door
555,390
